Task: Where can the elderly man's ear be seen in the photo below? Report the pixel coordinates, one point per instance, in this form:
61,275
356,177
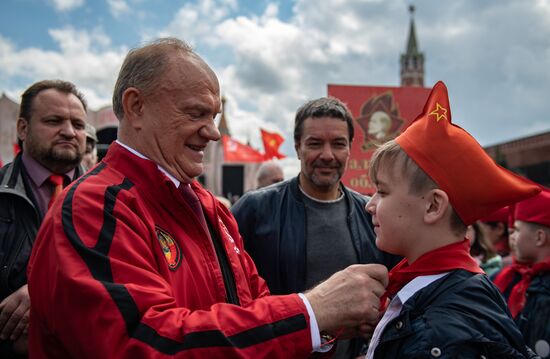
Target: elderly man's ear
132,102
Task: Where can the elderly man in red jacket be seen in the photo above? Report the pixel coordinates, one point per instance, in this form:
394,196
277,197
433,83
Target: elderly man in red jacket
138,260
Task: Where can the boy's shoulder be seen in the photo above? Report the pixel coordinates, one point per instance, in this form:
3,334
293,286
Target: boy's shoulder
539,288
460,294
453,314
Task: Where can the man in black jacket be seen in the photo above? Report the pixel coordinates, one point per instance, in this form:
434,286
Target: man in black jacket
301,231
51,130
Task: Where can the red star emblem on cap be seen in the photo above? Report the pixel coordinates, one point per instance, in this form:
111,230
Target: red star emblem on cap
440,112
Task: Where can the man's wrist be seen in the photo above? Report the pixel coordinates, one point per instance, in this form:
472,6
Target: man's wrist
314,329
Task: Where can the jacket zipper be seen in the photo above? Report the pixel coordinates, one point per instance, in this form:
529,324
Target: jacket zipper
223,261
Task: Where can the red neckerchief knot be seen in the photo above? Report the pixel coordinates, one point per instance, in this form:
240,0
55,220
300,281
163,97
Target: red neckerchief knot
444,259
517,299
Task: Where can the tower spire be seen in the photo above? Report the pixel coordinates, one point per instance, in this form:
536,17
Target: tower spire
222,126
412,61
412,47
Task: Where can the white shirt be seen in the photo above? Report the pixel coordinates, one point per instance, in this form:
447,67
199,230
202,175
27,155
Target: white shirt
313,326
396,305
172,178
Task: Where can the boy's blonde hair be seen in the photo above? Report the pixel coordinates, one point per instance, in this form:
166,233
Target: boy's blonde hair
419,181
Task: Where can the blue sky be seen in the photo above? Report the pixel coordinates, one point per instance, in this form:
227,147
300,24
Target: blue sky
271,56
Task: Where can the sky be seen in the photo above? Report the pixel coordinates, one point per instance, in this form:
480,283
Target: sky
272,56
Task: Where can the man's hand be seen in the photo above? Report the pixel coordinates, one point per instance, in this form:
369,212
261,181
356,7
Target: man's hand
349,298
14,314
363,330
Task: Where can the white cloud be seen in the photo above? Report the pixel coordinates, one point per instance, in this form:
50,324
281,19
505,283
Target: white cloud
72,41
195,20
118,7
493,57
494,68
85,58
279,65
66,5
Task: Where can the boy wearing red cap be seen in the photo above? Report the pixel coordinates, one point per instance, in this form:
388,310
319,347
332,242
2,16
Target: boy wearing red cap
526,284
431,183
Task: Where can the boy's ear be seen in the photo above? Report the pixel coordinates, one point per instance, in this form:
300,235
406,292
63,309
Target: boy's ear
437,203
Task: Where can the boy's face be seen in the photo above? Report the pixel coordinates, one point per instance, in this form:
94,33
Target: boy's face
395,212
524,242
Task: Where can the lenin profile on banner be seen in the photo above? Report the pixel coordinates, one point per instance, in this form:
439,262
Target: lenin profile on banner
380,120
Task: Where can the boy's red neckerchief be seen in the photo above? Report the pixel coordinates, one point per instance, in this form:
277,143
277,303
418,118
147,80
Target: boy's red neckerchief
444,259
517,299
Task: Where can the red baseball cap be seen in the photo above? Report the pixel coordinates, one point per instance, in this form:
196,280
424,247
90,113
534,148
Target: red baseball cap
535,209
475,184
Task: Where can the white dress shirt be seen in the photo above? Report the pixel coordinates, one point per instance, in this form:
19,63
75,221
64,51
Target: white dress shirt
396,305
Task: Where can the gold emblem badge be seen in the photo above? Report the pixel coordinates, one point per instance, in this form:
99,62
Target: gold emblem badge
170,248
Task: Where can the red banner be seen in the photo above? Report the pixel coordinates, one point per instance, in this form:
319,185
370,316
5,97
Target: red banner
272,141
234,151
380,114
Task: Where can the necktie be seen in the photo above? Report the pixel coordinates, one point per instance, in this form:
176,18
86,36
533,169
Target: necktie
57,183
194,202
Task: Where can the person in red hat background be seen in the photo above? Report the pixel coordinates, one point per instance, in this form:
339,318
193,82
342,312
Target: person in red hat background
482,249
495,226
526,284
431,182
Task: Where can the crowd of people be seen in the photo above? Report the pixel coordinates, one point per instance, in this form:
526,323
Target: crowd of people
132,257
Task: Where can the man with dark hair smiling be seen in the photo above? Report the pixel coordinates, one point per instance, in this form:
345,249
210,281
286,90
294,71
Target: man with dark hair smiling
51,128
301,231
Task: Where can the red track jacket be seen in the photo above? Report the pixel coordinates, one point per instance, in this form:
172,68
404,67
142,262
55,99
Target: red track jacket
122,268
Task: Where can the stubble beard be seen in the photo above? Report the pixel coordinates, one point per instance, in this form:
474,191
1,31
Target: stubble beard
324,183
56,160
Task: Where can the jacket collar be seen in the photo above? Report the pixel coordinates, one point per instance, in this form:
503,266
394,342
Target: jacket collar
151,181
14,183
12,177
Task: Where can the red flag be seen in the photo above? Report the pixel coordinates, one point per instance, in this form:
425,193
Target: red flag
272,142
234,151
